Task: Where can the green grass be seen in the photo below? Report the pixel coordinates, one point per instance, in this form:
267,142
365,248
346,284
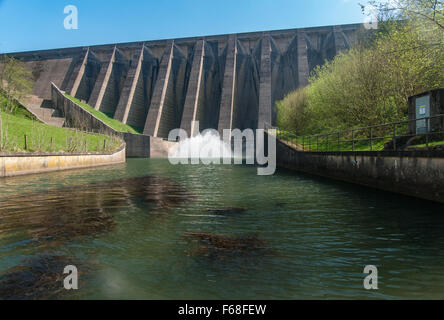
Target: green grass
106,118
364,145
18,110
15,126
333,145
431,144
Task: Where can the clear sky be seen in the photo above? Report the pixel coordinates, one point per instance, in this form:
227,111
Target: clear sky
38,24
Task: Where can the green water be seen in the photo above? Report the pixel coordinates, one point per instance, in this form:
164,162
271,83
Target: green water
131,232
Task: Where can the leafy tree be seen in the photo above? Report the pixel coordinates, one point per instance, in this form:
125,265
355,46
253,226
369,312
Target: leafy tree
15,82
292,112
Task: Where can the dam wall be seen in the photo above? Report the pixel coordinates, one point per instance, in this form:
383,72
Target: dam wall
414,173
224,81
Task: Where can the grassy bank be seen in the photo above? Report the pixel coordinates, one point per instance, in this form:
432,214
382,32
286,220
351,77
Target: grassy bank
431,144
332,144
115,124
45,138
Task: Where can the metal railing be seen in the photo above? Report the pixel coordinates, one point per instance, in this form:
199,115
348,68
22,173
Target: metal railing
391,136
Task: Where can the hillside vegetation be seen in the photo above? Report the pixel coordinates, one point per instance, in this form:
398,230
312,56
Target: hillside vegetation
41,137
370,83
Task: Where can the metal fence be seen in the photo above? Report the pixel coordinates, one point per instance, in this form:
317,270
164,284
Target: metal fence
416,133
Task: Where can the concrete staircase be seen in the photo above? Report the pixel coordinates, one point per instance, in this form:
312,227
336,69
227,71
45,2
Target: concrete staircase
44,111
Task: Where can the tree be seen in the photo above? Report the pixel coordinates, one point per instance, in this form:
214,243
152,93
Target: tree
16,82
292,111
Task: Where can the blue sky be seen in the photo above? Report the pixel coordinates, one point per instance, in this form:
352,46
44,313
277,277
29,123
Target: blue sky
38,24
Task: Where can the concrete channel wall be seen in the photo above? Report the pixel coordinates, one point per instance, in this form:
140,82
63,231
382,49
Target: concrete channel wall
413,173
137,145
14,164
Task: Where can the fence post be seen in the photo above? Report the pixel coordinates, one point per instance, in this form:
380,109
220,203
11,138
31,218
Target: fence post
327,142
51,146
303,143
339,141
394,136
427,133
371,139
26,142
353,140
317,143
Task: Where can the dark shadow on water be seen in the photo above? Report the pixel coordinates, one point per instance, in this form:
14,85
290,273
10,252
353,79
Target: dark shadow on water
413,222
228,211
369,195
225,247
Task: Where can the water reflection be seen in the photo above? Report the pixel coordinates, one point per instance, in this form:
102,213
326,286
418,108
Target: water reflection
241,236
72,212
48,220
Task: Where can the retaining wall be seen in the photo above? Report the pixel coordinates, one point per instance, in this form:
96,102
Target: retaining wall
137,145
14,164
414,173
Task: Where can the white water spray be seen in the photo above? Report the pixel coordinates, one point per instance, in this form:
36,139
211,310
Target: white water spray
202,146
207,147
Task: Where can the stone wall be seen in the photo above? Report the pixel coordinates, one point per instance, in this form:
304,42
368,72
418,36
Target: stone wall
413,173
14,164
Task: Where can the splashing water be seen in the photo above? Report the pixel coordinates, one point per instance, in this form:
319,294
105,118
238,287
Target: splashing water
206,146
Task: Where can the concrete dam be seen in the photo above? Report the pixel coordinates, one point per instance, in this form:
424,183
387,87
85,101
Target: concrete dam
223,81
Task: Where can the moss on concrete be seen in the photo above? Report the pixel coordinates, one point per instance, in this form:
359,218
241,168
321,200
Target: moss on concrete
106,118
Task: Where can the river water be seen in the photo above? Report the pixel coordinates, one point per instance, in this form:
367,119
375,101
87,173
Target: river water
150,230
